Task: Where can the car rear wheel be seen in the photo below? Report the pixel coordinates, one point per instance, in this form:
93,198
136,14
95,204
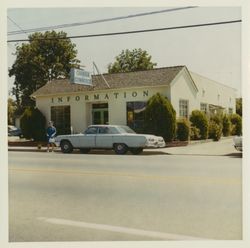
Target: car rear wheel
136,151
66,146
120,149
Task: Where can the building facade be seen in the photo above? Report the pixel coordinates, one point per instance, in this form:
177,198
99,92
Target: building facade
121,98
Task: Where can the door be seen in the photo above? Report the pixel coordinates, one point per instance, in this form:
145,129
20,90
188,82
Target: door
100,114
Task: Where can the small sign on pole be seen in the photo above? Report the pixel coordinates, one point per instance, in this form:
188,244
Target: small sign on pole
80,76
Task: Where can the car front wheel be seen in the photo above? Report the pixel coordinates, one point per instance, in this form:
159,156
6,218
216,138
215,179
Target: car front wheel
120,149
66,146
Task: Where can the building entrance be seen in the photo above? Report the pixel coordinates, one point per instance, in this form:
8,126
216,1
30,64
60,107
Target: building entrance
100,113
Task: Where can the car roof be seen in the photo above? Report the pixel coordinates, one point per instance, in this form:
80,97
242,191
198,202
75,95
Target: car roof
101,125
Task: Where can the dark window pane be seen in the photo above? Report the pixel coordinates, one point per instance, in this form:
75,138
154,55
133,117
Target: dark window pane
60,115
136,115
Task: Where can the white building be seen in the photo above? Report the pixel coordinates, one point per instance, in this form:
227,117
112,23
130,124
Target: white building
123,99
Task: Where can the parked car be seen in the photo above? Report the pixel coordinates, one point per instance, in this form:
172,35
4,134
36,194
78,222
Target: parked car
14,131
120,138
238,143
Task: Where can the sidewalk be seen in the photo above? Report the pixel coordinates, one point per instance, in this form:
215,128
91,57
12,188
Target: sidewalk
208,147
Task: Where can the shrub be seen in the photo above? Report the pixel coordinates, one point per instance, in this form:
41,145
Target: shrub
32,123
236,121
160,117
194,133
226,129
215,130
183,130
199,120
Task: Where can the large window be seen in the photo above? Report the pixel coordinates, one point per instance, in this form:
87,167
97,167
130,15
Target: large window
136,115
204,107
60,115
183,108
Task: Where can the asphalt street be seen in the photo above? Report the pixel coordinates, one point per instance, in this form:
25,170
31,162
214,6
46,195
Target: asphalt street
106,197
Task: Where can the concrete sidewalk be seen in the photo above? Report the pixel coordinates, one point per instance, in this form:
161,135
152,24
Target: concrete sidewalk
208,147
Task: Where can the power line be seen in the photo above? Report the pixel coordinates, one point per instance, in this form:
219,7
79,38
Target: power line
97,21
22,31
133,32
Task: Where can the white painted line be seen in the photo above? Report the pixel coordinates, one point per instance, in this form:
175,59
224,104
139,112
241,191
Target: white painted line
139,232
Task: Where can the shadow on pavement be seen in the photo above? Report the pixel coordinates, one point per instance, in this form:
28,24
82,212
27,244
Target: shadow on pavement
234,155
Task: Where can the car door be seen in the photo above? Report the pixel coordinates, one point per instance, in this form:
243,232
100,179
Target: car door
104,138
88,139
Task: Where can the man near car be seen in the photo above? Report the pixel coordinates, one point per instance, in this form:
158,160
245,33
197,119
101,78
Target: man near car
51,133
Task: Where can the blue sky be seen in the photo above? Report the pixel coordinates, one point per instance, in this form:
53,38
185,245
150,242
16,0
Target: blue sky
214,52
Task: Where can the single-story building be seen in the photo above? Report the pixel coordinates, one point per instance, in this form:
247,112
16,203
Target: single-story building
120,98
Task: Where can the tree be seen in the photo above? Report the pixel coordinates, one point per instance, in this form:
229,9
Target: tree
48,55
236,121
11,111
134,60
33,124
239,106
200,121
160,117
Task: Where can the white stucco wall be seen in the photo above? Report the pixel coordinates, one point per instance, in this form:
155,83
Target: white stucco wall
212,92
182,88
81,104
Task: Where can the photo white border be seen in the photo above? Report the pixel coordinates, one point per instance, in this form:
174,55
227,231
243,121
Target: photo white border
112,3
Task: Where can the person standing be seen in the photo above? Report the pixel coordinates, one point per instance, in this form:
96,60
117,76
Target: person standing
51,133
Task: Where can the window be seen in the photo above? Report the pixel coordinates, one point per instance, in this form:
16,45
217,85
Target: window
230,111
60,115
91,130
203,107
183,108
136,115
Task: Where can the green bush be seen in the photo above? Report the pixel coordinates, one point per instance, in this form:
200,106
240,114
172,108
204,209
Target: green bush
32,124
236,121
183,130
226,123
199,120
215,130
194,133
160,117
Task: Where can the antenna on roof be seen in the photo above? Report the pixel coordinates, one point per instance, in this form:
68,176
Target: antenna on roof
100,74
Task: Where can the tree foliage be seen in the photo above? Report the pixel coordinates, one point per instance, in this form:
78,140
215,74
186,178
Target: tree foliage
236,121
160,117
11,111
134,60
46,55
183,130
200,121
33,124
239,106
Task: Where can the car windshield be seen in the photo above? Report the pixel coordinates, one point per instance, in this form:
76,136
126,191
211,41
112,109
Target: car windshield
125,129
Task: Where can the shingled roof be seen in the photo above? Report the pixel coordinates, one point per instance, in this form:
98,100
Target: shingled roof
154,77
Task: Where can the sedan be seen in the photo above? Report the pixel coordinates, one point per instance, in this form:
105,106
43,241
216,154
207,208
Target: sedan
238,143
14,131
119,138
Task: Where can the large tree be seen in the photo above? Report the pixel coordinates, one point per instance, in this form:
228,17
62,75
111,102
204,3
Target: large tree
48,55
134,60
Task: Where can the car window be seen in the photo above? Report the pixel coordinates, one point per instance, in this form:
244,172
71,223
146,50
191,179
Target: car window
125,129
104,130
91,130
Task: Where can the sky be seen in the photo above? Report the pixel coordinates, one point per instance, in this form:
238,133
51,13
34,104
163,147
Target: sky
211,51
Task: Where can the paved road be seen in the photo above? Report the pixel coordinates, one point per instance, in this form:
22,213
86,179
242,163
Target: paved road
98,197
